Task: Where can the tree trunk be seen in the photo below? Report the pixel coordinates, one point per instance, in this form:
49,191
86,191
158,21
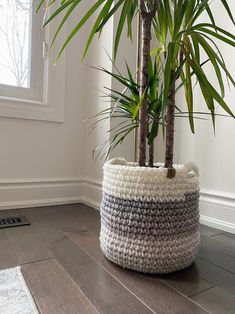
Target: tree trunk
151,155
136,131
146,22
170,124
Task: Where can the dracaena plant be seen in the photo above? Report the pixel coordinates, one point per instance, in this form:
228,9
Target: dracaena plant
125,105
183,40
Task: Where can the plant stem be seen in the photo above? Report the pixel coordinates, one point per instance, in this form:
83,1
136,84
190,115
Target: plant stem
136,131
151,155
146,22
170,124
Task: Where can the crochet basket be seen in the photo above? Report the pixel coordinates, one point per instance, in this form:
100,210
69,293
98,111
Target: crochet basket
150,223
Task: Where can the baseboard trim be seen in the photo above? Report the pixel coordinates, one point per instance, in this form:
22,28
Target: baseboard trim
91,203
39,203
217,223
36,193
217,209
218,198
92,193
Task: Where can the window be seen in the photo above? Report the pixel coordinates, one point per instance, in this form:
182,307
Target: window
26,73
15,29
21,60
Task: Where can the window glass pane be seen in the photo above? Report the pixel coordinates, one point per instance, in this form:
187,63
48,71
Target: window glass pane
15,33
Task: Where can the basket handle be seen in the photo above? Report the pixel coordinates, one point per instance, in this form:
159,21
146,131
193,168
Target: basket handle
191,166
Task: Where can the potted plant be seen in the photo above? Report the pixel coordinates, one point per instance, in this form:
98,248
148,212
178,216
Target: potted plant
149,213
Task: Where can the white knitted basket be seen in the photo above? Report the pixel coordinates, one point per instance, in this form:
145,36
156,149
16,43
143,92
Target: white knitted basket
150,223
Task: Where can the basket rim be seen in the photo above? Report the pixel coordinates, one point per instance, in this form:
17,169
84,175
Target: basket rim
121,164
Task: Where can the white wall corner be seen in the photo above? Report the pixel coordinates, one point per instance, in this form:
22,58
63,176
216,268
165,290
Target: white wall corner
50,191
92,193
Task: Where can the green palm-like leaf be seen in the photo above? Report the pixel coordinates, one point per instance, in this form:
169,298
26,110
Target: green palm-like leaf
185,45
105,8
183,42
90,12
65,18
126,104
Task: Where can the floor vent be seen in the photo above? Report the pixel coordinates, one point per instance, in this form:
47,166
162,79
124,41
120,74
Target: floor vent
13,222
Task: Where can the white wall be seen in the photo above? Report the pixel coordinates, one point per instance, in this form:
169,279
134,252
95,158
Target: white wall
94,103
49,163
98,56
35,149
42,162
127,52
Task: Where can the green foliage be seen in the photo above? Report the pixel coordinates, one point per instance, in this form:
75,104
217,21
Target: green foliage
183,42
124,105
105,10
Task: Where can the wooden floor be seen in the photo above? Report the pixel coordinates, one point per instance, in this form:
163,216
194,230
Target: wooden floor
67,273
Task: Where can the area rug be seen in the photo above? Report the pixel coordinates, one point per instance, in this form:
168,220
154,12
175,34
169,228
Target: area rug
15,297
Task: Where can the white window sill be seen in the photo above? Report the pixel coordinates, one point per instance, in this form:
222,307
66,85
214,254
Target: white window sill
52,109
25,109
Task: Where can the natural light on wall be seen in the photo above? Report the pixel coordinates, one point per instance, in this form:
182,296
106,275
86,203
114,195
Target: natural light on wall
15,33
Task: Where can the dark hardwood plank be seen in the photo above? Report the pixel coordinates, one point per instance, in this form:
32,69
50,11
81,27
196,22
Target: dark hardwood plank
33,243
226,242
28,244
8,258
40,221
217,301
40,210
187,281
102,282
9,213
230,235
76,217
54,291
150,289
107,294
84,216
212,251
215,275
209,231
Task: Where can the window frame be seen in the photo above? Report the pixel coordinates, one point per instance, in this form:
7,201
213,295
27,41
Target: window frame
46,102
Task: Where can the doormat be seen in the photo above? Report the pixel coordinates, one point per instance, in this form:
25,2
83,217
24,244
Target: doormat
15,297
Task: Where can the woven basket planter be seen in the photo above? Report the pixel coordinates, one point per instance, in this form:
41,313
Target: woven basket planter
149,223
